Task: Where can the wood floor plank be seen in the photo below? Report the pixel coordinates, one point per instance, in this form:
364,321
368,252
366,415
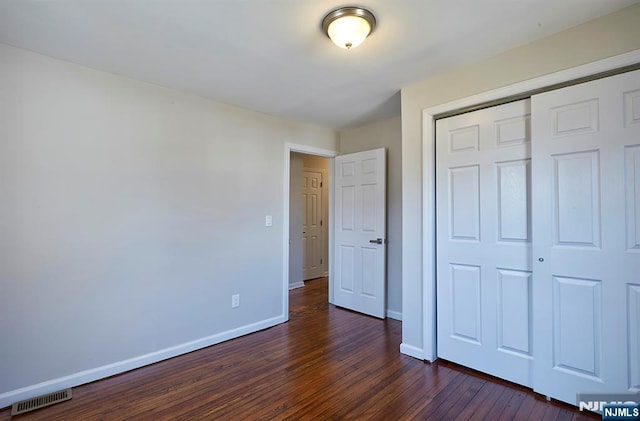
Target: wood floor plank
526,407
326,363
485,393
466,393
512,407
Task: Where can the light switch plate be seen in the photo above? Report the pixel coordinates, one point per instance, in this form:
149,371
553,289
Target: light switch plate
268,221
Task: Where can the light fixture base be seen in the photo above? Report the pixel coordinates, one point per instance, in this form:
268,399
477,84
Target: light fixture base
348,12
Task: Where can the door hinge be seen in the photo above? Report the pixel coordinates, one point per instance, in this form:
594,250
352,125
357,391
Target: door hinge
321,222
321,184
320,261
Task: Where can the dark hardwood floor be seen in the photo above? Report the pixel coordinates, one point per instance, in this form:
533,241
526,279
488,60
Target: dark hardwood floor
324,364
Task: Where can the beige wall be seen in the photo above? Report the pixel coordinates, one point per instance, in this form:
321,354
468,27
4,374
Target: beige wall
385,134
608,36
317,162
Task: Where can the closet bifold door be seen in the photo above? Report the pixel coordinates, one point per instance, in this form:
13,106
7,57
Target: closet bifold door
483,176
586,238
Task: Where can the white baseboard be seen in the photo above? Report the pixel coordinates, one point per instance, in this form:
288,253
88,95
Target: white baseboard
395,315
86,376
296,285
412,351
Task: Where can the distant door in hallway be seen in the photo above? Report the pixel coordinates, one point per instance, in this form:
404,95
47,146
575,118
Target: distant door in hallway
312,238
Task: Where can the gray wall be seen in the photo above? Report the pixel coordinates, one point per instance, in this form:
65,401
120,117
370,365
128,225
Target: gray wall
385,134
129,215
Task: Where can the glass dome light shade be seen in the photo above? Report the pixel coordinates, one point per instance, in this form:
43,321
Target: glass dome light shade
348,31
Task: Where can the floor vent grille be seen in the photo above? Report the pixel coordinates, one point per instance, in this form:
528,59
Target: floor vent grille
40,402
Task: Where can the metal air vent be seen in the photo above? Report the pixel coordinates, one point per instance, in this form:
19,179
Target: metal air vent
40,402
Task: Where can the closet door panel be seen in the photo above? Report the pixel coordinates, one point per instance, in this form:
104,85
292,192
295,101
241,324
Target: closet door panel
484,240
586,260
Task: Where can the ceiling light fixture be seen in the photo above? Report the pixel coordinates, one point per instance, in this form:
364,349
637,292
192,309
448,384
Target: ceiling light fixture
348,26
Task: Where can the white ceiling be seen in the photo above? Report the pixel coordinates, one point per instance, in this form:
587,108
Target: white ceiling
271,56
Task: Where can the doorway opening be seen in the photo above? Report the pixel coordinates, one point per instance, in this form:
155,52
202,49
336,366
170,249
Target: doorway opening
307,217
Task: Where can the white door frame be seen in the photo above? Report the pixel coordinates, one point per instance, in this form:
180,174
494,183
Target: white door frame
429,346
310,150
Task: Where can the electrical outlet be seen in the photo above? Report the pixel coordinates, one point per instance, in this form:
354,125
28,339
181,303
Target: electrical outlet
235,300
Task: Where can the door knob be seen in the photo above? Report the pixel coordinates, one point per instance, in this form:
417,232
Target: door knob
540,259
376,241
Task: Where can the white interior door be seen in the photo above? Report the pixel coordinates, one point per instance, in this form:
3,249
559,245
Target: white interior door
483,173
360,229
312,239
586,167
